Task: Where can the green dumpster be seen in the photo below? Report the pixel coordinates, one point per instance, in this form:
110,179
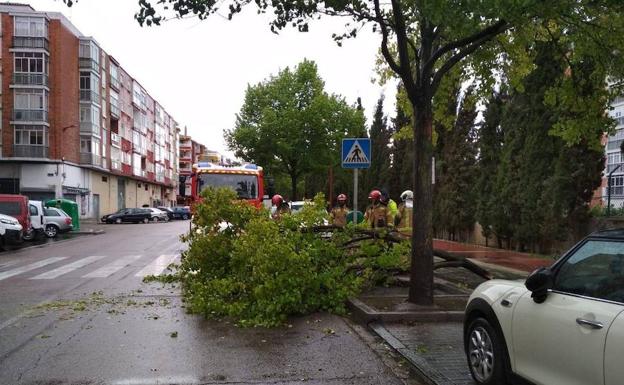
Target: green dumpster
70,207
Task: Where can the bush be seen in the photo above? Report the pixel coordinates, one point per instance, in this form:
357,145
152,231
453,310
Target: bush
242,264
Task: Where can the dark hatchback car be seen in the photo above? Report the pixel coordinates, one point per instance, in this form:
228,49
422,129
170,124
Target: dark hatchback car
181,212
136,215
167,210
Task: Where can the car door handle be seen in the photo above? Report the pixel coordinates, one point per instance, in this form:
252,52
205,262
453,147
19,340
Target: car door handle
589,323
506,303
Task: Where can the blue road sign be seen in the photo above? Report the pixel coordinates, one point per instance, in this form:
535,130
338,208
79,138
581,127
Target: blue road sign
356,153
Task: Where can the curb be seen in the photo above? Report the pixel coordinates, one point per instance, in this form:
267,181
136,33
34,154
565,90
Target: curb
365,314
87,232
425,371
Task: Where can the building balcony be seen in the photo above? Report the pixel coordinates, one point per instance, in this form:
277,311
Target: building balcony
114,111
115,84
31,42
30,151
30,79
115,140
30,115
89,96
90,158
88,63
90,128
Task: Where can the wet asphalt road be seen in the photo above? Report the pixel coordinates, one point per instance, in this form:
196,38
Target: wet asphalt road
77,312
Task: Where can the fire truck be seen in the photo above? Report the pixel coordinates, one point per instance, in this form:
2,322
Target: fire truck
247,180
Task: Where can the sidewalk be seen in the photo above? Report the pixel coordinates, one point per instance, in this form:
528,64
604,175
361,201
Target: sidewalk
506,258
435,349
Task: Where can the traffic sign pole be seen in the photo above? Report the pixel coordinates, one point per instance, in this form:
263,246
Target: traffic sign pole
355,197
356,154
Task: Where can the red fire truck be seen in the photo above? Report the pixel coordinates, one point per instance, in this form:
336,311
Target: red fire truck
247,180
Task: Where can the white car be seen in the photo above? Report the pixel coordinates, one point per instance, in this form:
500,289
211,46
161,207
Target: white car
158,215
10,231
563,326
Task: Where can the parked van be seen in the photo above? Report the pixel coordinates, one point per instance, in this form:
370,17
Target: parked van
10,231
37,220
17,206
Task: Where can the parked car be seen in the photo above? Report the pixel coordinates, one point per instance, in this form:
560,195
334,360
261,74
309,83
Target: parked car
16,206
167,210
10,231
132,215
37,220
158,215
563,325
181,212
56,221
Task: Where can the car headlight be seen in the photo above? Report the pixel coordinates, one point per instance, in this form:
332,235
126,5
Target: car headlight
8,221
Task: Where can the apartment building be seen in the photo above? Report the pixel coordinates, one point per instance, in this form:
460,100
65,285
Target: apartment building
75,124
190,153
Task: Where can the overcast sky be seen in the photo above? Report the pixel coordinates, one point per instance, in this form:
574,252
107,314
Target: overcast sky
199,70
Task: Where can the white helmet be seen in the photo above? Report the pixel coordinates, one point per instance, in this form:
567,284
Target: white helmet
407,194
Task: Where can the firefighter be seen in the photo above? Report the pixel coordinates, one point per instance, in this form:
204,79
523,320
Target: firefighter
404,218
377,214
338,215
392,206
280,206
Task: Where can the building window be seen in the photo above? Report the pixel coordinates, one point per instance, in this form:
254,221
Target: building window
90,114
89,82
31,135
89,50
31,62
31,99
31,26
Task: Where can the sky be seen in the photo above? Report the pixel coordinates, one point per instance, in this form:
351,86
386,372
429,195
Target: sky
199,70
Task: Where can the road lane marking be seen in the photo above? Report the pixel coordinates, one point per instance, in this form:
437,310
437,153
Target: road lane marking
32,266
113,267
68,268
157,267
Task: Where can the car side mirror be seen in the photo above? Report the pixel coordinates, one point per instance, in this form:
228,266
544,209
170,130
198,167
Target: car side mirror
538,283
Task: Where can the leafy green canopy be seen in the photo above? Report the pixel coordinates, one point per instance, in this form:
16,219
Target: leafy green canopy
290,125
257,271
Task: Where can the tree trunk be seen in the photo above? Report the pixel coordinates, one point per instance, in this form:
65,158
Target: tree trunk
293,187
421,274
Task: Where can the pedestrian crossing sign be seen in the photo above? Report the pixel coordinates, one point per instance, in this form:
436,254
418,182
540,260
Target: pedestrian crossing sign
356,153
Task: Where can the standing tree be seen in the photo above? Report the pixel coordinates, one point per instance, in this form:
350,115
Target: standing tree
422,41
379,171
291,126
454,201
489,143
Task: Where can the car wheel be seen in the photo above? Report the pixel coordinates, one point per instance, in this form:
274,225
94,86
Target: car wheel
184,216
155,219
146,220
487,358
51,231
29,235
118,221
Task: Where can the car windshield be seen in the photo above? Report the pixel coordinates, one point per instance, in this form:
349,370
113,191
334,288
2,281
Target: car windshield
10,208
246,186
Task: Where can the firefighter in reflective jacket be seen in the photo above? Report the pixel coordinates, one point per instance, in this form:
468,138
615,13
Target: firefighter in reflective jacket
403,219
338,215
377,214
280,206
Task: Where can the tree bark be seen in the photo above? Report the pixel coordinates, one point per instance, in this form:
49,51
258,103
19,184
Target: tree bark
293,187
421,273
